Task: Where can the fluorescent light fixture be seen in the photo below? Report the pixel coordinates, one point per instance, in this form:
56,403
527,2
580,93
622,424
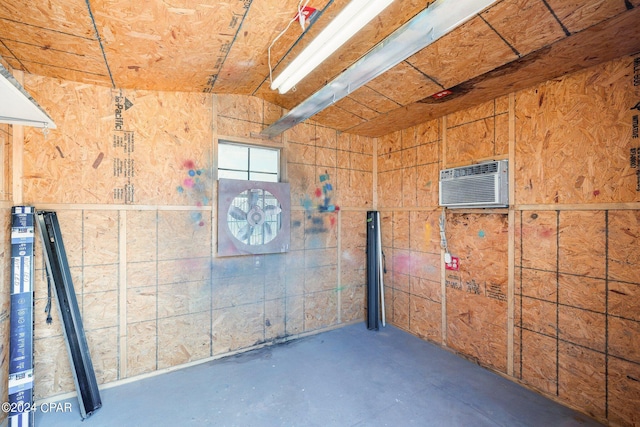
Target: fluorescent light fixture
17,106
349,21
438,19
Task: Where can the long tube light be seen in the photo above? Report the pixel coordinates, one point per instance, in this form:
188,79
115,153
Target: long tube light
347,23
18,107
437,20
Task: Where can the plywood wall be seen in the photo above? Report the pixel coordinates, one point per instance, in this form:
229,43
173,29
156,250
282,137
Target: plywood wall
142,245
574,150
5,257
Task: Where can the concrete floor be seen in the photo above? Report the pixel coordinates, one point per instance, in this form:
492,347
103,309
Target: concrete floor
345,377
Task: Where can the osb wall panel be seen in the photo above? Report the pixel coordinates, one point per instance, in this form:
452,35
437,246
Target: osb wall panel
6,158
412,278
566,127
477,292
132,147
478,133
5,301
408,167
577,315
151,290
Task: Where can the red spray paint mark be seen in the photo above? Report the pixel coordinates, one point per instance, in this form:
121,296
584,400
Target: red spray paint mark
188,164
596,193
333,221
318,192
441,94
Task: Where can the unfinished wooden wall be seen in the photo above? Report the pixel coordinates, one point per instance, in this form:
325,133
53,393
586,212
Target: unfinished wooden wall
5,259
546,290
142,246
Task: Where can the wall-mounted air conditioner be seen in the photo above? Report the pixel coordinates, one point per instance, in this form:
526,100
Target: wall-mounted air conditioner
484,185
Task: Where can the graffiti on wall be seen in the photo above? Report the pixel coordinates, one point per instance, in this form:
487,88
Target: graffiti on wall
318,204
195,185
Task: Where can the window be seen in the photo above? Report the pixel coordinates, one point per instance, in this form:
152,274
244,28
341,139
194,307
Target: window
248,162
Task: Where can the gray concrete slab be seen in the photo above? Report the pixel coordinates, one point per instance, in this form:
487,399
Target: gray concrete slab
345,377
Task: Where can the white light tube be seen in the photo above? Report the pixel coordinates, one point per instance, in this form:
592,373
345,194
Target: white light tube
437,20
348,22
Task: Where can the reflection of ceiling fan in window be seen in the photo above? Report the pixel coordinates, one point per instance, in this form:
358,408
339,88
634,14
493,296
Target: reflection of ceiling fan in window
253,217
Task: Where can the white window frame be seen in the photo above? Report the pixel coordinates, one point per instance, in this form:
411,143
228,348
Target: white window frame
277,148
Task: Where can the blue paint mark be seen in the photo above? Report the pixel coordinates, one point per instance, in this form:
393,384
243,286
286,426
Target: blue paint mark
192,172
199,172
180,189
481,233
324,177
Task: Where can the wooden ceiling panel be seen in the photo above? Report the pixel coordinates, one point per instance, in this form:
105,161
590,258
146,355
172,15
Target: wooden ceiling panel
338,118
154,44
221,47
65,73
470,51
576,15
357,108
264,22
506,18
374,99
603,42
388,21
66,16
404,84
28,53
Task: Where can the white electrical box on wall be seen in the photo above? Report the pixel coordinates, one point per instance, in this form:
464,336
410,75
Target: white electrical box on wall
483,185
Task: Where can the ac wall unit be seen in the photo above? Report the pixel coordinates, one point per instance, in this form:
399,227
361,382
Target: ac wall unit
484,185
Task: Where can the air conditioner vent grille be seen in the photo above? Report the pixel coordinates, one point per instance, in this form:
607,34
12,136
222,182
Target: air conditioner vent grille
480,185
480,189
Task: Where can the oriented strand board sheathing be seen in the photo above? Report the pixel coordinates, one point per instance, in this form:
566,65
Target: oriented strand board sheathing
5,157
576,16
5,284
476,133
441,60
538,361
260,27
475,140
624,392
582,243
477,292
539,240
415,84
51,359
507,17
581,379
242,326
624,248
141,351
569,132
195,342
537,67
181,38
102,153
391,18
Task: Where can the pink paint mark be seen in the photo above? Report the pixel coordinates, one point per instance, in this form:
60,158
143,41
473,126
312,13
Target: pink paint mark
201,223
199,204
596,193
402,264
188,164
318,192
188,183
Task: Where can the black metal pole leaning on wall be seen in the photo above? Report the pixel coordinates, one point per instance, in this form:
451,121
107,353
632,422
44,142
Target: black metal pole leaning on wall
373,276
60,276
